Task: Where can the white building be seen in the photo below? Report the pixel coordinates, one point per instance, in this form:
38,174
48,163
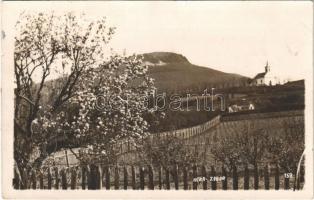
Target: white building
244,106
265,78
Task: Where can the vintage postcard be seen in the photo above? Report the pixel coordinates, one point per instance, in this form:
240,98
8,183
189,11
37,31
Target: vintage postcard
160,100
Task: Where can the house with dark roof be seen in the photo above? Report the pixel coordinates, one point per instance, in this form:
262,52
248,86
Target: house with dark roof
265,78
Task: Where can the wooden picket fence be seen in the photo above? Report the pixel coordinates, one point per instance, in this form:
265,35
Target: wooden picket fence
139,178
125,146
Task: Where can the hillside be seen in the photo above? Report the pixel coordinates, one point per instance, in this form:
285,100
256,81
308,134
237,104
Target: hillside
174,72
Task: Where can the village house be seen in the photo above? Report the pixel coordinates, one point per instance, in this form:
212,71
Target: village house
241,106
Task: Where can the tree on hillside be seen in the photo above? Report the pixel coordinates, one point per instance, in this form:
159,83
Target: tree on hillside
167,153
246,145
287,149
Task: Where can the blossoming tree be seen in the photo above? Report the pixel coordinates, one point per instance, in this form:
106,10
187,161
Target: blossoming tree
62,76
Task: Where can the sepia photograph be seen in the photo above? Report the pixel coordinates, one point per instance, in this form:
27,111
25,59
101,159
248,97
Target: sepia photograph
157,96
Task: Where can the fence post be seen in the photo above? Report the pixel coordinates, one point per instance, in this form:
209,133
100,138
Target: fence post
297,186
234,178
266,177
302,171
213,174
56,178
150,178
125,185
83,177
286,183
175,177
41,180
107,178
133,178
63,179
246,178
299,178
92,181
24,179
49,179
16,180
99,177
194,177
116,178
185,179
73,179
167,179
142,184
256,181
277,178
160,177
296,182
204,177
33,177
225,181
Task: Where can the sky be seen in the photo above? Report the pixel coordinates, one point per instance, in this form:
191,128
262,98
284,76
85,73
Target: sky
234,37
